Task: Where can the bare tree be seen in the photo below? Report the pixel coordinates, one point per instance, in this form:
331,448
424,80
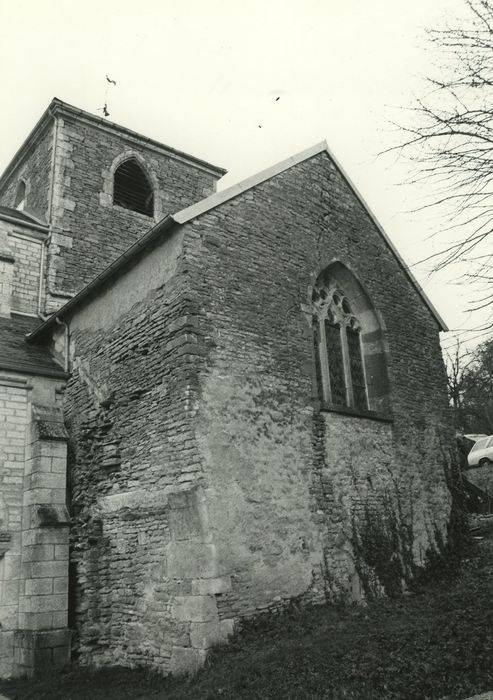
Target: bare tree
458,363
450,137
470,384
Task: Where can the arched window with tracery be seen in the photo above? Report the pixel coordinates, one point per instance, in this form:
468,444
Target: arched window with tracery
132,189
349,344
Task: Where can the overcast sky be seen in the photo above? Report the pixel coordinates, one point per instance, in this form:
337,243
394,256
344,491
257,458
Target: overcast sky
204,76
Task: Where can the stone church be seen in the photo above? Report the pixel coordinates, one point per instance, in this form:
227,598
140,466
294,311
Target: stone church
212,404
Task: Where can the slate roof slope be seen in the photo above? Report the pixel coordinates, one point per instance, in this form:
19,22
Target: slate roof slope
17,355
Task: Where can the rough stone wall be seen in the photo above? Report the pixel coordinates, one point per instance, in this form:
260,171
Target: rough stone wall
35,169
89,232
26,250
144,576
292,487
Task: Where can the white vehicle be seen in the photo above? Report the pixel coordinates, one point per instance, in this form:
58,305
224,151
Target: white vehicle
481,453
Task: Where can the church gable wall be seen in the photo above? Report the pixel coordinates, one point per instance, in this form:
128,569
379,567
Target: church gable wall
294,488
89,231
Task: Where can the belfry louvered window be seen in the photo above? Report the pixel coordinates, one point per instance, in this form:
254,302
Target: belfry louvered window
131,188
337,334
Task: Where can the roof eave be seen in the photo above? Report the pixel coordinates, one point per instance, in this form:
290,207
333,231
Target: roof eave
38,372
23,222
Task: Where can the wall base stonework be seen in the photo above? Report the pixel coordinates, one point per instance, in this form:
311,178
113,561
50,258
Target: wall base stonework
39,651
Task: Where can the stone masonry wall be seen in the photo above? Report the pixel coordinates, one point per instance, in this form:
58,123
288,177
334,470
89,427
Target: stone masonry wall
292,487
33,543
144,576
27,251
14,419
89,232
35,169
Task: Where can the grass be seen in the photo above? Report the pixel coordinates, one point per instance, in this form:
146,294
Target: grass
437,643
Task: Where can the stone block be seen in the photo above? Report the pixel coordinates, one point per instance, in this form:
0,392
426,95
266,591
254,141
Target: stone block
60,618
47,603
61,551
204,635
39,586
45,480
40,651
41,569
8,616
45,495
11,565
36,620
211,586
186,661
185,523
60,585
53,638
194,608
49,515
6,653
10,592
187,515
45,535
48,424
191,560
38,552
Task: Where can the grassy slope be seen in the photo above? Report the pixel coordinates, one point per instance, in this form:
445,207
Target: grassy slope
437,644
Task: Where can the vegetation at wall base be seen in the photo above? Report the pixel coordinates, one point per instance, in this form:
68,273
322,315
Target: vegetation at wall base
434,644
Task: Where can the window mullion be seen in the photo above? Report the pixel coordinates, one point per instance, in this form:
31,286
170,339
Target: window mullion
347,367
324,361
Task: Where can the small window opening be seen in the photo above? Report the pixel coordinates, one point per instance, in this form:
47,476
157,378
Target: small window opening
132,189
20,196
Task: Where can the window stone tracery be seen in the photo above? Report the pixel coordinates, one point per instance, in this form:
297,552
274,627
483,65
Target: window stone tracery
338,347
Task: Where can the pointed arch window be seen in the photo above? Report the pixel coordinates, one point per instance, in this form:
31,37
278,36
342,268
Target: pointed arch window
339,351
132,189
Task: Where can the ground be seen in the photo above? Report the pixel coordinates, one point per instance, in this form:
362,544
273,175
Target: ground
436,642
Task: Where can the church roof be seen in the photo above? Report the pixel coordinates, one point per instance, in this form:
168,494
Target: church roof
213,201
18,356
